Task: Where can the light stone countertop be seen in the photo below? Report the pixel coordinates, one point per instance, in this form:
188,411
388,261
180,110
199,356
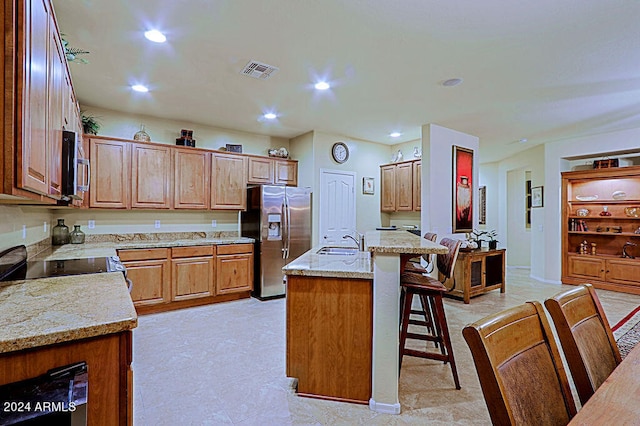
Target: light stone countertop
103,249
331,266
401,242
53,310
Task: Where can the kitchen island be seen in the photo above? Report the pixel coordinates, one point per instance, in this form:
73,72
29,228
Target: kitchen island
378,268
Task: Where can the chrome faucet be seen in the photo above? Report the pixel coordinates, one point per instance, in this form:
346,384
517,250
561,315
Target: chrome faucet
359,241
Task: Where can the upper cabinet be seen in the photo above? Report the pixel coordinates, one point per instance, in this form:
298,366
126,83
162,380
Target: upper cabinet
267,171
400,186
150,176
229,181
110,171
191,179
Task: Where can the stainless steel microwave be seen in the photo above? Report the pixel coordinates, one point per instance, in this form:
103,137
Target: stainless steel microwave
76,174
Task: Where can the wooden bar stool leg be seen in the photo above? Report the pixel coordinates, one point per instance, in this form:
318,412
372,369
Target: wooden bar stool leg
442,319
408,299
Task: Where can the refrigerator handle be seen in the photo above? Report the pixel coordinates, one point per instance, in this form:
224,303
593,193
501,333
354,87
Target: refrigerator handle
288,227
285,233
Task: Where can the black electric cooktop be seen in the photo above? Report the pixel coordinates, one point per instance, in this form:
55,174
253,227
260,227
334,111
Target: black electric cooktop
14,266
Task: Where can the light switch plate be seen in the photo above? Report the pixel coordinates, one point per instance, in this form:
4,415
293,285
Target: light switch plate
24,232
157,224
214,223
91,224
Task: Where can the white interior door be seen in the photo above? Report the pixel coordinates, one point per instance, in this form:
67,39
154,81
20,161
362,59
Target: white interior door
337,206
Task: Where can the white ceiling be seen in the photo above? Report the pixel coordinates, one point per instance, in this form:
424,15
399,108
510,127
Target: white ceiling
542,70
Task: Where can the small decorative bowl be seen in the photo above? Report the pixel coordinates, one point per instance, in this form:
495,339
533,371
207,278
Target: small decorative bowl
582,212
632,211
586,197
619,195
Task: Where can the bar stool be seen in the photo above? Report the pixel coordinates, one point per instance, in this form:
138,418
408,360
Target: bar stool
432,290
413,266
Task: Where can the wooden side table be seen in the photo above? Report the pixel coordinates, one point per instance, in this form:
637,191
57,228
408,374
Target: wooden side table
477,272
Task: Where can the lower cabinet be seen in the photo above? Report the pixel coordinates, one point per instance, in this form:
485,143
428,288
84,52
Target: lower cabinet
477,272
234,268
330,337
179,277
606,272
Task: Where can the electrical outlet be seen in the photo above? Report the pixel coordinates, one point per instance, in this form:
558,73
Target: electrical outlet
45,227
214,223
157,224
91,224
24,232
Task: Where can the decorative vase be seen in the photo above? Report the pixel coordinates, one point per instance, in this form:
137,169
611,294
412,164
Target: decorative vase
60,234
417,153
493,244
76,236
141,135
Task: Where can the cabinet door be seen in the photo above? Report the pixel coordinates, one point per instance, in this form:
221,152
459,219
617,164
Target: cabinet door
150,280
623,271
260,170
150,176
388,188
110,168
234,273
587,267
33,167
417,185
229,182
55,110
192,177
404,187
191,278
286,173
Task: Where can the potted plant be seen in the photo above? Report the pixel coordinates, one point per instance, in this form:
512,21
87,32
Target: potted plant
491,239
90,124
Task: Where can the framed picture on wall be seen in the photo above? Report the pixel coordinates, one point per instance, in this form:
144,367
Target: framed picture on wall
482,204
537,196
367,185
462,189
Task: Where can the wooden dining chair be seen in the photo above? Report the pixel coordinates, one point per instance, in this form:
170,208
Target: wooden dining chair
520,369
586,338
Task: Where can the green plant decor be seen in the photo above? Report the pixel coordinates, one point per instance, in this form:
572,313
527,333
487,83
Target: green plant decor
90,124
72,53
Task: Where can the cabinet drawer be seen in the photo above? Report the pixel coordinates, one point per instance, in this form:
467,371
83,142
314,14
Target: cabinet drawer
194,251
143,254
234,248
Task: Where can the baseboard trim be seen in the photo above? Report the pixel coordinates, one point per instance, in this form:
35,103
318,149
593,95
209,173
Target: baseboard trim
380,407
544,280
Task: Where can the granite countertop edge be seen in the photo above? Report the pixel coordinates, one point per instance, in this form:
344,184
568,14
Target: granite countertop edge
311,264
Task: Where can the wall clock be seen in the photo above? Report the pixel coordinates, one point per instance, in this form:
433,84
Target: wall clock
340,152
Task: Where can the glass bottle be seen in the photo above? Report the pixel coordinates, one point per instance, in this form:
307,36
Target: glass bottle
60,234
141,135
76,236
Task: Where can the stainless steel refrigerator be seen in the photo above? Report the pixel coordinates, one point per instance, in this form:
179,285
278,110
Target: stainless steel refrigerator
279,219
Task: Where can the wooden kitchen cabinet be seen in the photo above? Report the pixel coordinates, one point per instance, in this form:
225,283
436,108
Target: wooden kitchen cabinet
477,272
192,272
234,268
599,207
228,181
286,172
149,271
192,177
56,90
110,170
260,170
400,186
150,176
388,188
109,358
330,337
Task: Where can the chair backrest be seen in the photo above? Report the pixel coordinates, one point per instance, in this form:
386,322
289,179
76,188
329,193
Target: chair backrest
431,236
447,261
520,369
586,338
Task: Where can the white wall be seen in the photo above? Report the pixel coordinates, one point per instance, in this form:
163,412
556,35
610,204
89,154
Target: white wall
161,130
14,218
437,181
488,177
518,236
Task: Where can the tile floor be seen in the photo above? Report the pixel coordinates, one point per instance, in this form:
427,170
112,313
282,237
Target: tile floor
225,364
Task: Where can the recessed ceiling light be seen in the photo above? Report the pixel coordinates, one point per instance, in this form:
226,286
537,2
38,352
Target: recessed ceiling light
395,134
523,140
140,88
155,36
270,116
452,82
322,85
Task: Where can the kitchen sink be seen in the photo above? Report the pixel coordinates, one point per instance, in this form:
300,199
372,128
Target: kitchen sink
348,251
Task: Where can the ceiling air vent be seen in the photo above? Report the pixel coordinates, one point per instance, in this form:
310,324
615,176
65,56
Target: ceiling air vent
258,70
